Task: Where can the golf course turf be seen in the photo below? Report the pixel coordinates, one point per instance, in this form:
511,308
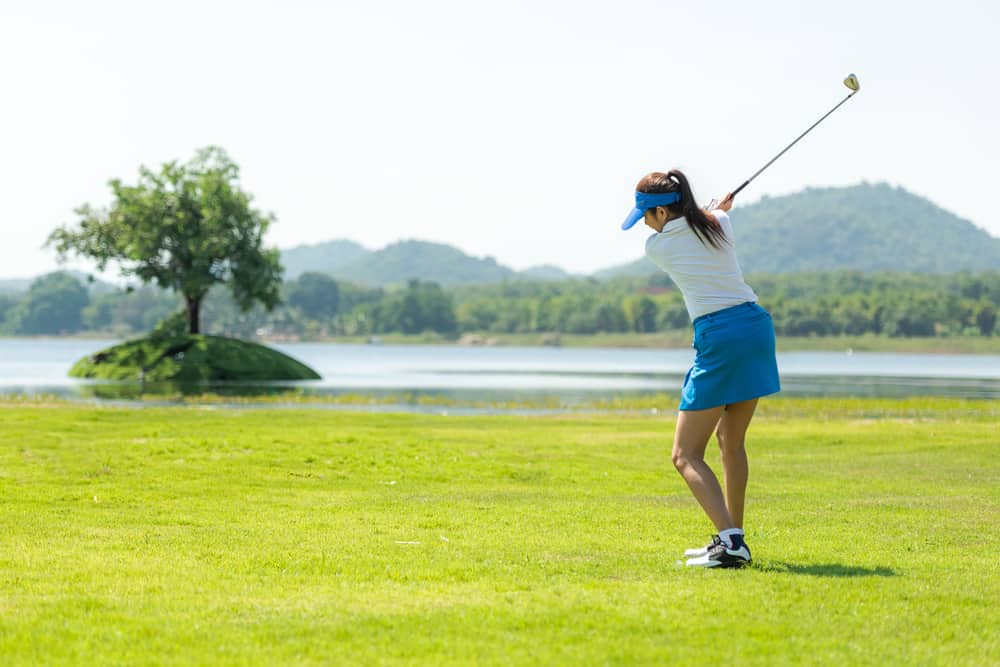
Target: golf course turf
200,535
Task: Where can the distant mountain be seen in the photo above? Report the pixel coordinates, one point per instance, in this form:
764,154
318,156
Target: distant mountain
401,261
322,257
15,285
544,272
866,227
423,260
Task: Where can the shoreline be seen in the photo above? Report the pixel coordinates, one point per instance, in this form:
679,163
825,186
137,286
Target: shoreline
675,340
971,345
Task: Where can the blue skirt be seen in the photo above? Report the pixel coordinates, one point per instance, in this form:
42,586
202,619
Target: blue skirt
734,358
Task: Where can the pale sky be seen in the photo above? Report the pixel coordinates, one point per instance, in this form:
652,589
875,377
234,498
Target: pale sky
511,129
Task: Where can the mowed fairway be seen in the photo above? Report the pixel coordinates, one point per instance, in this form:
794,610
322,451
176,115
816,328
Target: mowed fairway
214,536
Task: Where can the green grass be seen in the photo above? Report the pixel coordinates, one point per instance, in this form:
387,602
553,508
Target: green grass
206,536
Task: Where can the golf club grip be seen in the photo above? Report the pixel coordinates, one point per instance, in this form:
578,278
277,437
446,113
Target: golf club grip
737,190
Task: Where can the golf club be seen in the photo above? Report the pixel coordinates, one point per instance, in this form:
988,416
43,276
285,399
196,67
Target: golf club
851,82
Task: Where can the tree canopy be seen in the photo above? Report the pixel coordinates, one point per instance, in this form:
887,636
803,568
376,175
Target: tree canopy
185,228
53,304
315,294
804,304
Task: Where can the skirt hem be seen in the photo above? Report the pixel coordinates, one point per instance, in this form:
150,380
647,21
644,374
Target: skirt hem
683,408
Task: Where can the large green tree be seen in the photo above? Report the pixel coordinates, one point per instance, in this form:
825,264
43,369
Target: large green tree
185,227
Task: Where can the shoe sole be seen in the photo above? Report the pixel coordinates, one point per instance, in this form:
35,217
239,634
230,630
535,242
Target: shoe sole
711,564
733,558
701,551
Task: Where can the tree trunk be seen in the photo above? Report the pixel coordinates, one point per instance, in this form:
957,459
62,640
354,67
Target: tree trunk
194,314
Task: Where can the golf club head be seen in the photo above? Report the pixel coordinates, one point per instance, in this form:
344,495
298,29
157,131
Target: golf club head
852,82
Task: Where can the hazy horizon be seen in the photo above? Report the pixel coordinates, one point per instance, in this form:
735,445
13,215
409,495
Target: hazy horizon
111,276
515,131
639,251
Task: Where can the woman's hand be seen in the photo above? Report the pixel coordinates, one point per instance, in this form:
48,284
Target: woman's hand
726,203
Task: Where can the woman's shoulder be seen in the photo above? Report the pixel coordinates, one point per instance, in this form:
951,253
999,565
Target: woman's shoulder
721,218
651,241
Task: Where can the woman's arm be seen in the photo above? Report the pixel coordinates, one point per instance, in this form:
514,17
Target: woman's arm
724,205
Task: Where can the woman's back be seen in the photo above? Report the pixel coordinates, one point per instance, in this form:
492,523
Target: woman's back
709,278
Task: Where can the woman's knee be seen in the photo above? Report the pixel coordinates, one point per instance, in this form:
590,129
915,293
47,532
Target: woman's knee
681,459
677,457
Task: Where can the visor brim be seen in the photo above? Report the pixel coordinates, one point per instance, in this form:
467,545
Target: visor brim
633,217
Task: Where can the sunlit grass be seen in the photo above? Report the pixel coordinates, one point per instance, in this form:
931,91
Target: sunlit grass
200,535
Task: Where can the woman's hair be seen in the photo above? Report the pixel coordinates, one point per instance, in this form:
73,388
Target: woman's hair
707,231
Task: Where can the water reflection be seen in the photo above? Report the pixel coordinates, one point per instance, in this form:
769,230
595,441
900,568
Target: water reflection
456,375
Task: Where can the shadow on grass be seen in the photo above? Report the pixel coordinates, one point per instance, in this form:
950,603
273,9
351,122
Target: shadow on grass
827,570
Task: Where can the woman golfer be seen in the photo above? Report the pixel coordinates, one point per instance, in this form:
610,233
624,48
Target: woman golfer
734,363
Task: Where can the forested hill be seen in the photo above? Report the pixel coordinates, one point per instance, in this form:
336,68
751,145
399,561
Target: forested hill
394,264
321,257
867,227
399,262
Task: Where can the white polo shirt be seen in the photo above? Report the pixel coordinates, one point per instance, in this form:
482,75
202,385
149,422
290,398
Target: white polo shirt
709,278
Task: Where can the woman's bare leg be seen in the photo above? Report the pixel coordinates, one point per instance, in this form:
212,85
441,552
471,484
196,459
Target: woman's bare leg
731,434
694,428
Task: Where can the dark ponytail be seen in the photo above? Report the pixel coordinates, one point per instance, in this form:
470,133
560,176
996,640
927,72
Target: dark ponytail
706,229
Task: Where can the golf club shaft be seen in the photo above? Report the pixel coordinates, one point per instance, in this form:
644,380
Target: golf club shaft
747,182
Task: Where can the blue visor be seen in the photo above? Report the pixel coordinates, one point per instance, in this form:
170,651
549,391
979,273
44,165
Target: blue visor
645,201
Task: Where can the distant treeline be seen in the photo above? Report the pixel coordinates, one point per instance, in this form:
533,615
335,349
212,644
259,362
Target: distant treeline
316,306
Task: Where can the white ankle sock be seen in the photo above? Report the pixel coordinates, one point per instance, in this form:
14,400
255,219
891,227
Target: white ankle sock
726,535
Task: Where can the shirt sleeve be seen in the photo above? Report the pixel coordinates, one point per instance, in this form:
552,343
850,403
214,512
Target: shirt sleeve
724,222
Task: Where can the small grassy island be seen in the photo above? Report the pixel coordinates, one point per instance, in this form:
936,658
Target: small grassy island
187,228
191,358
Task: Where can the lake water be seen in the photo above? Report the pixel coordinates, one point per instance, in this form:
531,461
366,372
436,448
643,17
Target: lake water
35,366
